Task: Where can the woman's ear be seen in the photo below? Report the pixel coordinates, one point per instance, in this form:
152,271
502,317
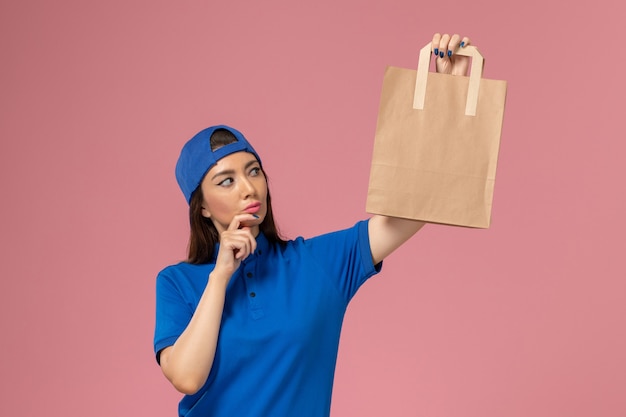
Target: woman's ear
205,213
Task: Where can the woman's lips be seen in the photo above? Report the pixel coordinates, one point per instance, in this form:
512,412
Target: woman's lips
253,208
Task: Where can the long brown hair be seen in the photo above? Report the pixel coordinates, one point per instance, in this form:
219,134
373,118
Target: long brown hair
203,235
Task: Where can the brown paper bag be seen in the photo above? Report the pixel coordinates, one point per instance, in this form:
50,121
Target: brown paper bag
436,144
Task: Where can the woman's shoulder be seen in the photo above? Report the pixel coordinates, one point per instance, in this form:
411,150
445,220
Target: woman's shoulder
328,239
185,270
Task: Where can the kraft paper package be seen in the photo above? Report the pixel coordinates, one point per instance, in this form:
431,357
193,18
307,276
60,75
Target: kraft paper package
436,144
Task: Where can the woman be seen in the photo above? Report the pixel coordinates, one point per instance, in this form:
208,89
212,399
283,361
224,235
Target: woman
249,325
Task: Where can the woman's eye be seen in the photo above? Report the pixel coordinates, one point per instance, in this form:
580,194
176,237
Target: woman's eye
255,171
226,182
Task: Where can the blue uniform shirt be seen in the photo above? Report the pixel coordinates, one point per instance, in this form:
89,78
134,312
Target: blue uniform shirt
279,336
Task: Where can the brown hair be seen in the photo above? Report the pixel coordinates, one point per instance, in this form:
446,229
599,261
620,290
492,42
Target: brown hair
203,234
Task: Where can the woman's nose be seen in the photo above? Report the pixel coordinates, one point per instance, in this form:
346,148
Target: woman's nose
246,187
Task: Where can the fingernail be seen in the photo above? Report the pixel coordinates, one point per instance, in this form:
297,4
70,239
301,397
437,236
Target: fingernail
255,216
462,44
441,54
449,53
436,51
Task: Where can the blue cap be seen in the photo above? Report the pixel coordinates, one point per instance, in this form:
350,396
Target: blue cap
197,158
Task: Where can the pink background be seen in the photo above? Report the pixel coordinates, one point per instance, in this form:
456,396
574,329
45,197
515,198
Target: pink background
527,318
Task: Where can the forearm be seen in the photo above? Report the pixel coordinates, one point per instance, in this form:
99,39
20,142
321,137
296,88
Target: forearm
188,362
389,233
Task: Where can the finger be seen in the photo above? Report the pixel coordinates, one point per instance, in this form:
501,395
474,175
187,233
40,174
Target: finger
238,221
226,255
243,250
443,45
453,45
464,42
241,241
435,43
246,233
237,244
249,220
234,224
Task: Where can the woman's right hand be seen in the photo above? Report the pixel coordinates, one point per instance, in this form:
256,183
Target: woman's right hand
188,362
236,244
445,47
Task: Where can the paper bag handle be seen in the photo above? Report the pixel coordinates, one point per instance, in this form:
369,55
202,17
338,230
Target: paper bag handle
476,73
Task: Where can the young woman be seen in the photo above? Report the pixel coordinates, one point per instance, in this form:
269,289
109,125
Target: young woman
249,325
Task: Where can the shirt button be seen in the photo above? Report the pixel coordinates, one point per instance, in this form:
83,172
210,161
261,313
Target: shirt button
252,294
249,274
259,252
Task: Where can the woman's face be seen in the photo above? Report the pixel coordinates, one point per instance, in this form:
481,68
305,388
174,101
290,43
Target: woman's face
235,185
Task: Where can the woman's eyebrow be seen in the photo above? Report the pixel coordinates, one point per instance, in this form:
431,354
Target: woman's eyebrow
225,172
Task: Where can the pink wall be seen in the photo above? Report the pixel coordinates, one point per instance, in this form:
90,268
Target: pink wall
527,318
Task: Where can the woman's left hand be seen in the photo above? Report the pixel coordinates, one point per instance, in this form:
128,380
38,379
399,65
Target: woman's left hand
445,47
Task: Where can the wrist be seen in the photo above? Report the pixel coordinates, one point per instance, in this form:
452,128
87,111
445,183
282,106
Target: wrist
219,277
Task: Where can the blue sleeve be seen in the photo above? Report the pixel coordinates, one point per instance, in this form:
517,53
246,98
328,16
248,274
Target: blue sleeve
346,257
173,313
